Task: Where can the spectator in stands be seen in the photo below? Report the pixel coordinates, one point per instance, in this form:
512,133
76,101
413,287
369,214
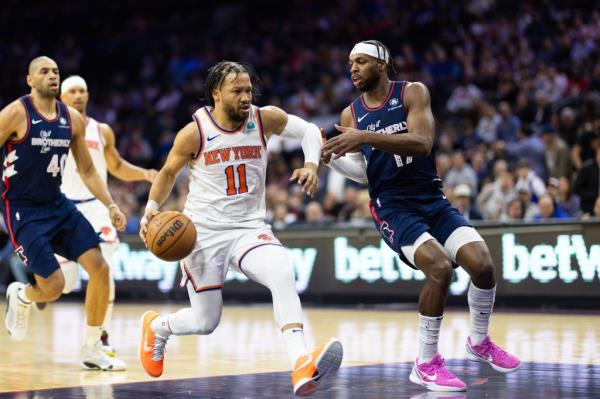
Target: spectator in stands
362,212
530,147
494,197
568,125
509,125
462,202
570,202
464,97
281,217
587,184
442,165
541,109
530,208
524,109
587,142
514,211
556,153
548,210
488,122
480,167
529,180
348,209
314,213
461,172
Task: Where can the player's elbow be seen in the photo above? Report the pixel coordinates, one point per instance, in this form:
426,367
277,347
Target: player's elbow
423,149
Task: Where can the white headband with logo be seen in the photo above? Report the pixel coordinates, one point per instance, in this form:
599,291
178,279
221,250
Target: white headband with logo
72,81
371,49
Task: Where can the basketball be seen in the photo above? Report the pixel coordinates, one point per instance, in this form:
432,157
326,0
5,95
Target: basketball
171,235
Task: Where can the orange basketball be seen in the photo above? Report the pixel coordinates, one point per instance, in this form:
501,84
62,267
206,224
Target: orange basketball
171,235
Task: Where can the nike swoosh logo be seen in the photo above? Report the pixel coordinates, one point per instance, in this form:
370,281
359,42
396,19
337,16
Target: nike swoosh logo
33,121
212,138
362,117
431,377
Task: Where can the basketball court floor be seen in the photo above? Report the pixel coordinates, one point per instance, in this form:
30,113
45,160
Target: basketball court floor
245,356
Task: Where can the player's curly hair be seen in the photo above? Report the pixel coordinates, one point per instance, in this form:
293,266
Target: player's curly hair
218,72
383,50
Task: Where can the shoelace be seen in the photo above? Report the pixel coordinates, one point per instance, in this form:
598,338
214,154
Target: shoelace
159,348
497,352
22,313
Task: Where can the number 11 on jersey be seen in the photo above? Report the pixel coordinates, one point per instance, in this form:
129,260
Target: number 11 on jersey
230,173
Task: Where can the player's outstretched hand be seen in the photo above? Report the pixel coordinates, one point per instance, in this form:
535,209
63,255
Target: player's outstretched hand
144,224
150,175
349,141
307,177
118,218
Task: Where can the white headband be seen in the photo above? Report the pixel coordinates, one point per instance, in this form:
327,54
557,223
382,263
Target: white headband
71,82
371,49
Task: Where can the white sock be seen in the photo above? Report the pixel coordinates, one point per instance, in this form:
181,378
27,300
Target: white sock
22,295
294,341
429,333
92,335
160,325
481,303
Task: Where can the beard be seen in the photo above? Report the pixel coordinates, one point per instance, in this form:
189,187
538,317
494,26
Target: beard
233,114
47,92
370,83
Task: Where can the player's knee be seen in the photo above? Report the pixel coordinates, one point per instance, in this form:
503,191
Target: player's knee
441,272
99,270
205,326
483,274
282,274
54,290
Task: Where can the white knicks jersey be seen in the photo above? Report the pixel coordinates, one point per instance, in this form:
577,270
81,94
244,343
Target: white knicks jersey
227,174
72,185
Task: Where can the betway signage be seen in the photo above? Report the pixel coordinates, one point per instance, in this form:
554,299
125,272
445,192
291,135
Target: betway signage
531,260
569,259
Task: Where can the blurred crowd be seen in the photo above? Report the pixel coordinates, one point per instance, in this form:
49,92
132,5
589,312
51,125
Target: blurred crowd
515,89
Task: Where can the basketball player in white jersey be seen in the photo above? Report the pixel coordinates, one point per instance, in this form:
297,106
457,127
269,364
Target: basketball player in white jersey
225,149
100,141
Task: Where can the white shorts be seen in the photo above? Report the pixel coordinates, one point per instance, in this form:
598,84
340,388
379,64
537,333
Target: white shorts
216,251
97,214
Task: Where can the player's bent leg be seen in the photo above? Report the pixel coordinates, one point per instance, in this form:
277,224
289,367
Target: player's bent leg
201,319
475,258
96,301
432,260
96,295
430,369
19,298
269,266
108,249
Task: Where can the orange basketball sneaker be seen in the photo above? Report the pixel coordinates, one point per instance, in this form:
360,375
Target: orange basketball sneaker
152,347
311,369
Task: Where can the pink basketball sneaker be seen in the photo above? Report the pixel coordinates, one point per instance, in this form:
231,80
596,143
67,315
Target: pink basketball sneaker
434,376
489,352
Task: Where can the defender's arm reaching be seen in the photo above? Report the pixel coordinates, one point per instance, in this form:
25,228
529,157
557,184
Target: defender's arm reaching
417,142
